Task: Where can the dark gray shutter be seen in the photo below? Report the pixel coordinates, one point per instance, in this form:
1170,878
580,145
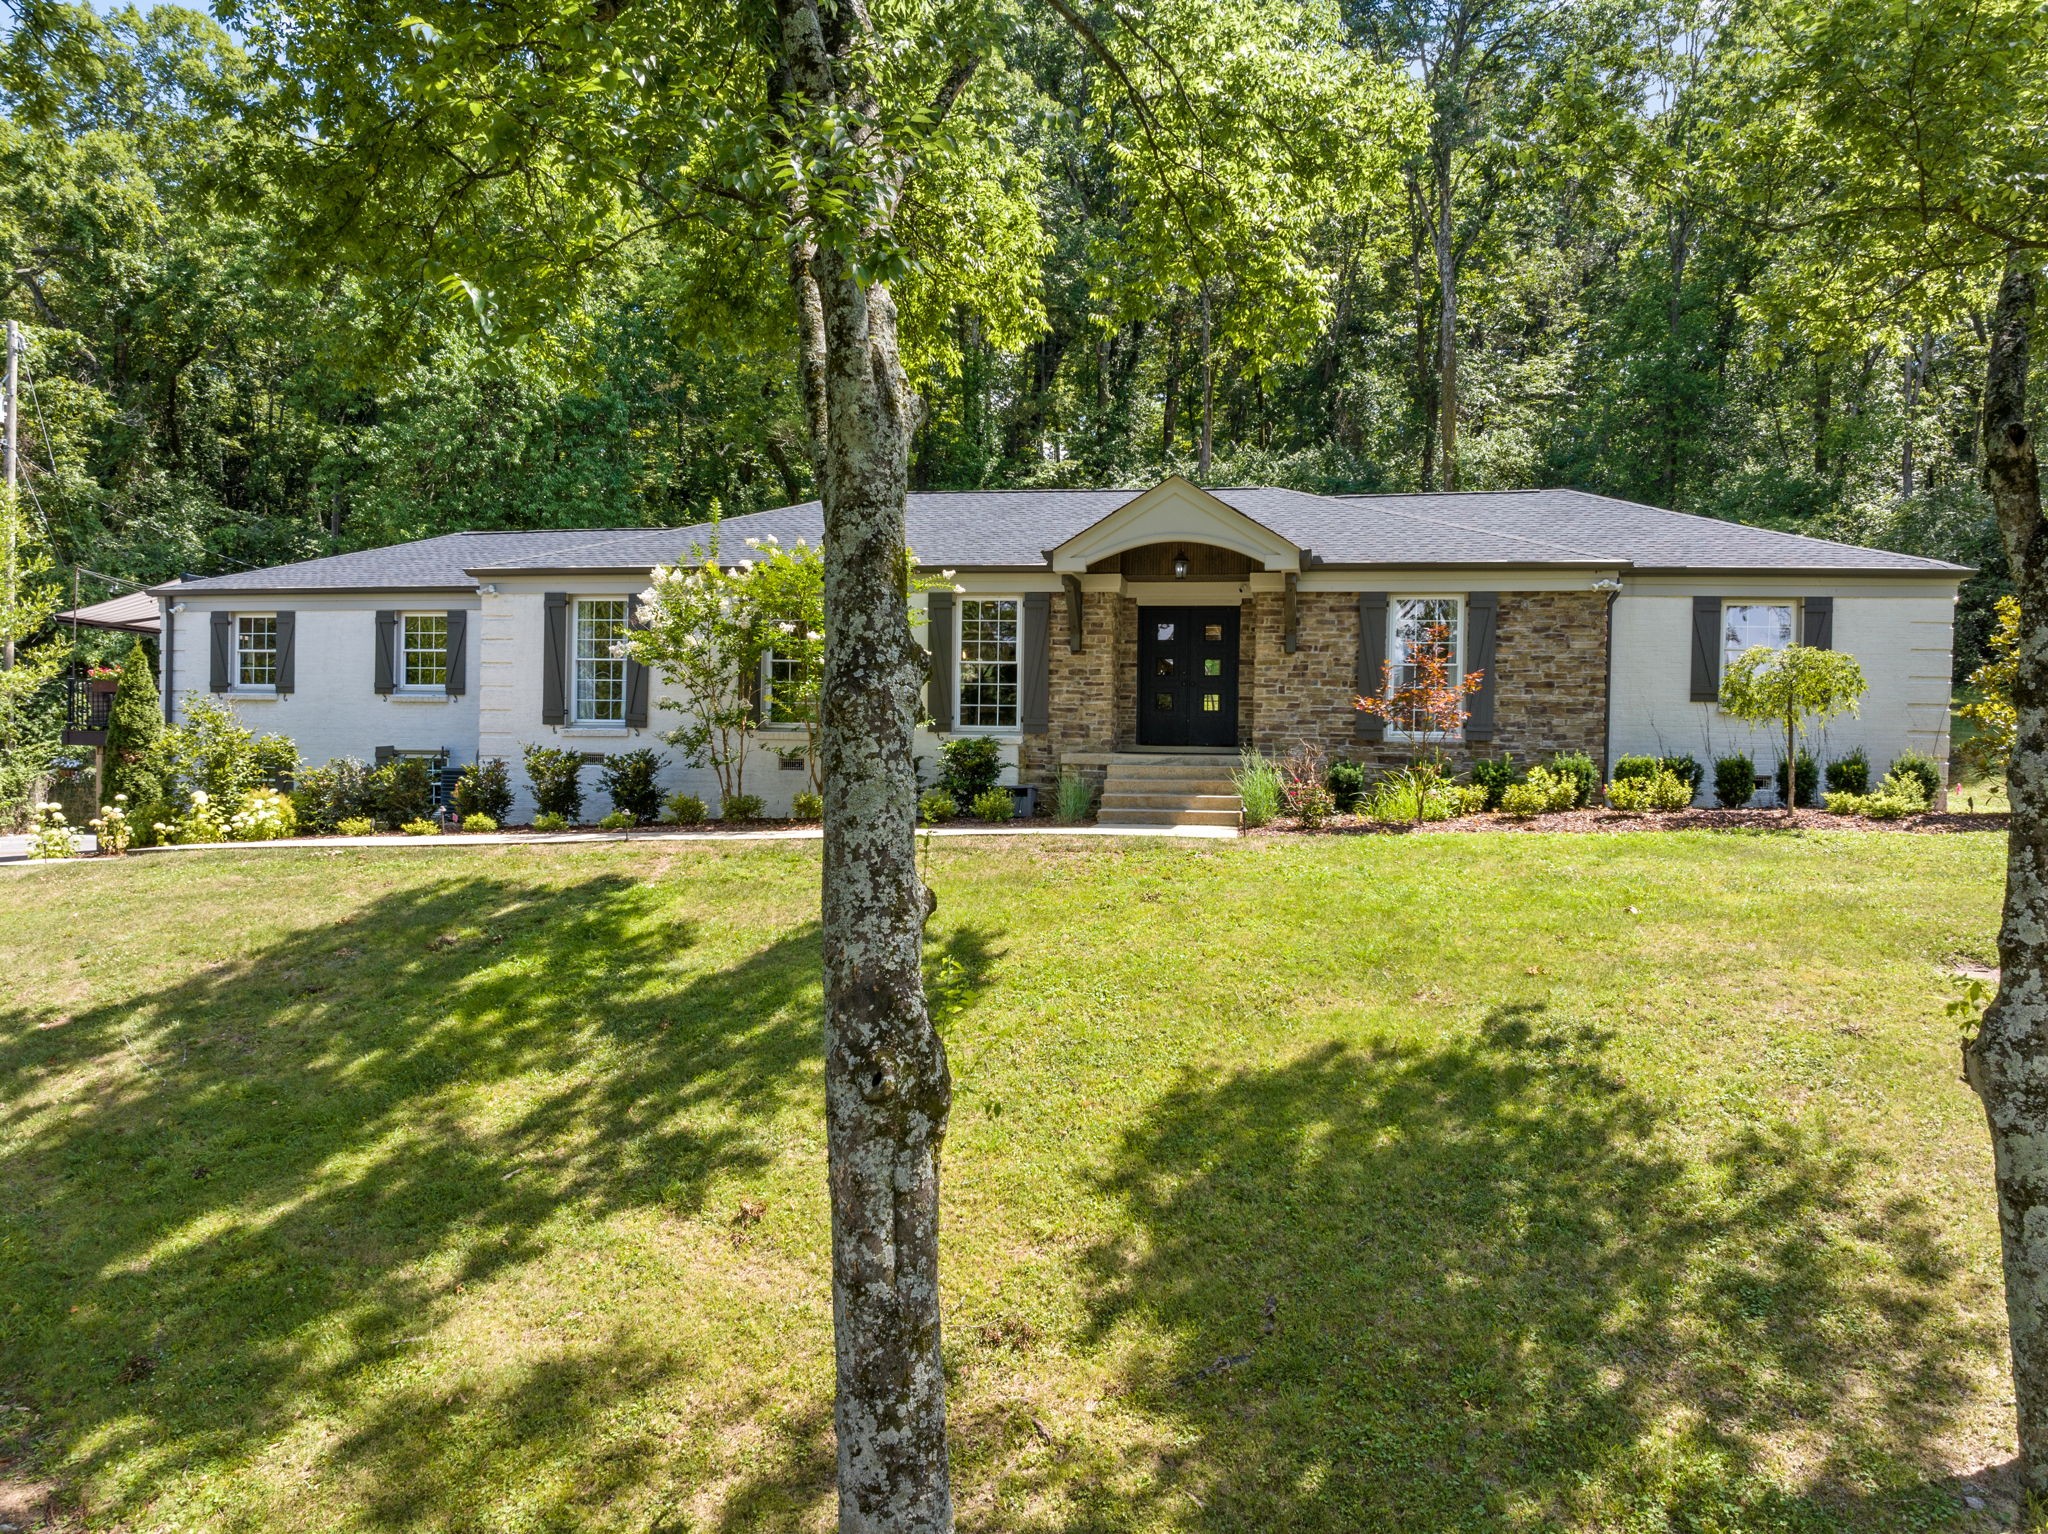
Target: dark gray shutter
1706,649
1818,625
554,660
1034,683
383,754
945,653
222,673
458,652
287,651
387,650
636,674
751,692
1482,619
1372,659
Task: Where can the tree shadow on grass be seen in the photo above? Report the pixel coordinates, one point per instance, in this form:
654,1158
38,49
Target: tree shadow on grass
1479,1286
233,1201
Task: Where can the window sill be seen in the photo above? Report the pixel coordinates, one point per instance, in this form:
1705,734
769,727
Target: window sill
595,731
268,695
1410,738
422,695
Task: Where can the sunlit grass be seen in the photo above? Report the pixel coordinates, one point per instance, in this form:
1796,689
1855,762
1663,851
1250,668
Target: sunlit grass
1436,1182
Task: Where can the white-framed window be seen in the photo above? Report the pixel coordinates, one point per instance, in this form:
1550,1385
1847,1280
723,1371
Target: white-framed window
1745,625
256,652
424,661
988,662
781,678
1418,626
599,691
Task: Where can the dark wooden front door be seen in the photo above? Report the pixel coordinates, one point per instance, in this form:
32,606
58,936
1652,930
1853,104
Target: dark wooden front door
1187,676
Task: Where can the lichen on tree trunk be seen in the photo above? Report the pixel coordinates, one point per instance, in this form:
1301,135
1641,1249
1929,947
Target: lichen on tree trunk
2007,1061
887,1086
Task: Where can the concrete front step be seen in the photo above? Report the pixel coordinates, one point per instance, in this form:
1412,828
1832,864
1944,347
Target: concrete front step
1138,799
1169,782
1164,817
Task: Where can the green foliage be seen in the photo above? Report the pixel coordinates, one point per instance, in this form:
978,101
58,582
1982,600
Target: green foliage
402,790
807,804
994,805
1495,774
1258,785
1627,768
629,778
1346,783
1581,770
1989,704
134,725
477,823
1734,781
935,805
1685,768
1663,790
356,825
1899,795
969,765
548,821
684,810
618,820
262,815
1543,791
112,830
421,827
1923,769
555,774
49,836
1791,688
213,752
1809,779
1393,800
483,788
324,797
1849,774
740,807
1073,799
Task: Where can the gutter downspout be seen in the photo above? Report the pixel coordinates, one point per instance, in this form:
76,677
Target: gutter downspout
1613,590
168,647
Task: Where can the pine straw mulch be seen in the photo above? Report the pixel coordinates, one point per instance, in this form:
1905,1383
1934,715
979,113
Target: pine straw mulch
1596,821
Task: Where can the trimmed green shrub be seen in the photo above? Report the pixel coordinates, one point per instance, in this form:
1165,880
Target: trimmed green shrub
421,827
1734,781
684,810
1464,798
629,779
1583,774
1629,768
478,823
1258,788
1073,799
807,804
356,825
323,797
618,820
1849,774
1542,792
1923,769
1899,795
483,788
556,777
1809,779
995,805
935,804
1685,768
402,790
264,815
1496,774
1662,790
969,766
741,807
547,820
135,722
1346,783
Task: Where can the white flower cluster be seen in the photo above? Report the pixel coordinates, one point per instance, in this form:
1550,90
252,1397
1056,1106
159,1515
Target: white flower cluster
49,836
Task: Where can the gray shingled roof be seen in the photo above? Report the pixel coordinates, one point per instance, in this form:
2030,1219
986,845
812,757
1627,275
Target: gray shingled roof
1014,528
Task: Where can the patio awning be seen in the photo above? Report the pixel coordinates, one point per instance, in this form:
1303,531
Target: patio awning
136,613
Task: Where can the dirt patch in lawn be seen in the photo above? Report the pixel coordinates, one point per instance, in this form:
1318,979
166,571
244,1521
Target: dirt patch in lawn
1594,821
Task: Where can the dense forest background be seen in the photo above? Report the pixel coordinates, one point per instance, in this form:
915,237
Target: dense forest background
1626,273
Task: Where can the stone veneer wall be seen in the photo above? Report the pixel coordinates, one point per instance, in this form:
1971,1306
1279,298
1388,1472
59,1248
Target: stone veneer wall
1550,686
1550,691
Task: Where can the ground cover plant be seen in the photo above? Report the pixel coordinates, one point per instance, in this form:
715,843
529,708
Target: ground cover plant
370,1192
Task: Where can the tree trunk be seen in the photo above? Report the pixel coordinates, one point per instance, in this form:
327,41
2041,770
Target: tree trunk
1446,333
1204,453
2007,1062
887,1087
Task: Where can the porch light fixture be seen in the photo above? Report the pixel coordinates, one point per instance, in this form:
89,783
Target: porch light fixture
1180,564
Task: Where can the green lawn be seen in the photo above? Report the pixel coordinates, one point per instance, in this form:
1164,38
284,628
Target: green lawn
1394,1183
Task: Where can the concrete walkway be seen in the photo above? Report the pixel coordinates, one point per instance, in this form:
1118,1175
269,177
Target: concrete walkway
14,849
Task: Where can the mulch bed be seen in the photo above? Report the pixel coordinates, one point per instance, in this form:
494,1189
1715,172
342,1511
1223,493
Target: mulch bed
1593,822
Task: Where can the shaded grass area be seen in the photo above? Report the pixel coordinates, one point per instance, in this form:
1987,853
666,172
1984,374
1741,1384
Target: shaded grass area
1424,1183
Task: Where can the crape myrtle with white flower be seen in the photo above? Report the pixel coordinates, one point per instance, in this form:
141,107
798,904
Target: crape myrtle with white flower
720,633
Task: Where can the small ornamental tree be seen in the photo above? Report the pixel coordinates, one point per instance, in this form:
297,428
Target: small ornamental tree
700,626
1792,687
1991,708
135,722
1430,706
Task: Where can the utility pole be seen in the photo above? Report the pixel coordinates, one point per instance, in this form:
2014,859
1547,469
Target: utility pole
13,469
